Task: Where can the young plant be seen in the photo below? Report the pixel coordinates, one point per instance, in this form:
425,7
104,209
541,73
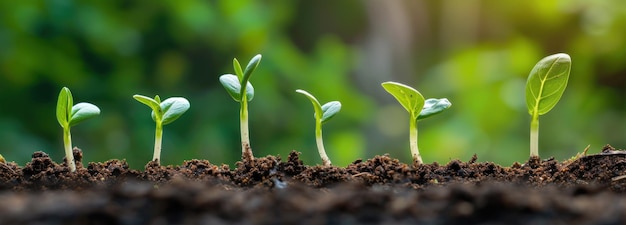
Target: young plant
2,160
322,114
163,113
242,91
69,115
544,88
418,109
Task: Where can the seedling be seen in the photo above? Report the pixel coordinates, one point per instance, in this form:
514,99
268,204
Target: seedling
544,88
418,109
242,91
322,114
69,115
2,160
163,113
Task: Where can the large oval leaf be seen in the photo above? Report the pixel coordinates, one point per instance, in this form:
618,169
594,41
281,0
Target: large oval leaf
83,111
233,87
64,106
408,97
173,108
330,109
546,83
433,106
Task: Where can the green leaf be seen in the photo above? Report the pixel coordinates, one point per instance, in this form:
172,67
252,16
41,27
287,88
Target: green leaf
237,68
254,62
408,97
83,111
157,99
546,83
173,108
233,87
153,104
64,107
317,107
433,106
330,109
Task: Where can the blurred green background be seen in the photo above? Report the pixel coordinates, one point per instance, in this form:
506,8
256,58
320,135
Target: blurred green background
475,53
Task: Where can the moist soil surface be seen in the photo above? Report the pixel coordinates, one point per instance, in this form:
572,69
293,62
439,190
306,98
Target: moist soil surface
587,189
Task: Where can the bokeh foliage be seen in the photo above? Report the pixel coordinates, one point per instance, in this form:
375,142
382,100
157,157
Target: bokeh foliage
475,53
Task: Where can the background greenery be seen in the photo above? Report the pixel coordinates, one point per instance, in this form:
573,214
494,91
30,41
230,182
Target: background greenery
476,53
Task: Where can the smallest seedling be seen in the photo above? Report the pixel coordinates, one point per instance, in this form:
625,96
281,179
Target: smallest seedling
322,114
2,160
163,113
69,115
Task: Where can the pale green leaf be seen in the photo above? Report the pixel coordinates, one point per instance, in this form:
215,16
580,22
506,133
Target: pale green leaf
173,108
83,111
433,106
546,83
408,97
254,62
233,87
330,109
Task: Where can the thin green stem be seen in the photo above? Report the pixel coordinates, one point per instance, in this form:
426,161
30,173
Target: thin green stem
320,143
246,151
69,155
534,136
417,158
158,137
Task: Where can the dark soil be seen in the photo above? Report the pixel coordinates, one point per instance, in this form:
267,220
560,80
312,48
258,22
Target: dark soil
585,190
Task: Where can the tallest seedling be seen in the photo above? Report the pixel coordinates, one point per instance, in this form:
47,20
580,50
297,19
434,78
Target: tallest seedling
544,88
242,91
69,115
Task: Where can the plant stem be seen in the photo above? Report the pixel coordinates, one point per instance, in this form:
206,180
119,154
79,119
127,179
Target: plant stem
158,137
320,143
246,151
417,158
534,136
69,155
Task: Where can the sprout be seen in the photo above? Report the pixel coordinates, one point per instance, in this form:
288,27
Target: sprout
2,160
163,113
418,109
242,91
544,88
322,114
69,115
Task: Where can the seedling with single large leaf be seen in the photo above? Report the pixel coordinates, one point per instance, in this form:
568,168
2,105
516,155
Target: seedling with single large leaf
163,113
544,88
322,114
241,90
69,115
418,109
